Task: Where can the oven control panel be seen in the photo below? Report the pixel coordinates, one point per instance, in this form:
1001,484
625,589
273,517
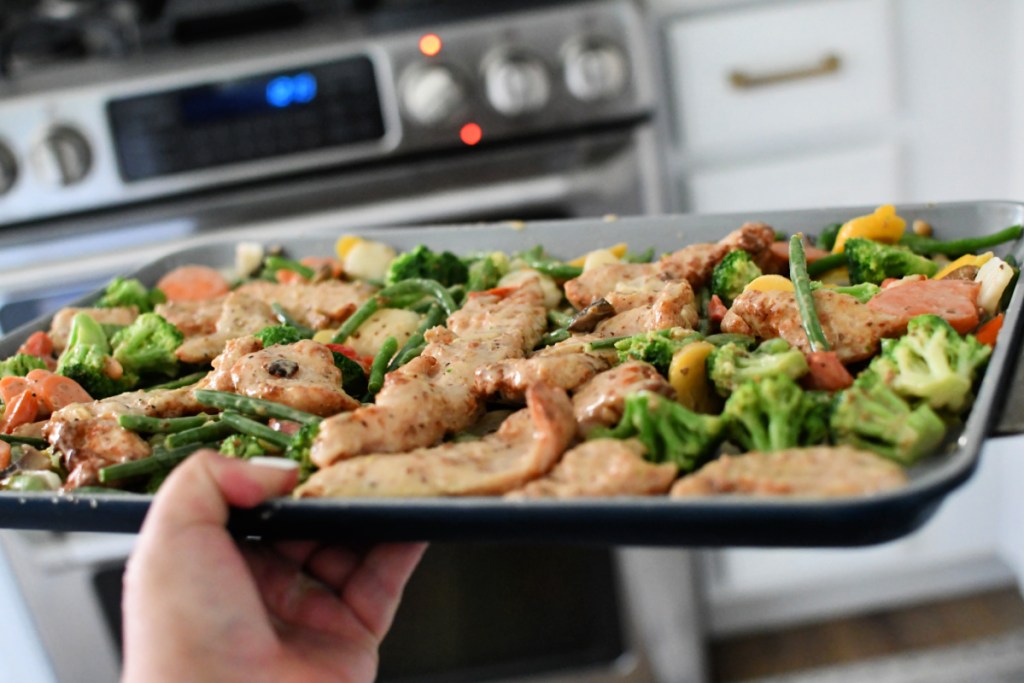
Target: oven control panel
194,121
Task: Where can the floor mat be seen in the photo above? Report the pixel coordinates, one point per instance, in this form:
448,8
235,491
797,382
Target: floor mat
992,660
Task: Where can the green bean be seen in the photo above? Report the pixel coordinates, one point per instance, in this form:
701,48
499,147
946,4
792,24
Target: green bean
215,430
157,425
554,337
285,318
956,248
825,264
157,462
244,425
33,441
559,271
433,318
642,257
604,344
275,263
804,295
184,381
559,319
257,407
368,308
724,338
380,365
422,286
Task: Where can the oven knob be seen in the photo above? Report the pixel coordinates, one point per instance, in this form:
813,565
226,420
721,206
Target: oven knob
8,169
63,157
432,94
517,85
595,70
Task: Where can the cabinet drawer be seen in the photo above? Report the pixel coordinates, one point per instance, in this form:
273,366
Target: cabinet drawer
781,71
862,176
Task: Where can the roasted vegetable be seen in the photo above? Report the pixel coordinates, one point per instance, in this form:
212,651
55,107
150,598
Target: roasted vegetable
954,248
870,261
130,292
299,449
146,347
486,271
870,415
88,360
422,263
670,432
280,334
733,364
732,274
656,348
244,446
774,414
20,364
932,362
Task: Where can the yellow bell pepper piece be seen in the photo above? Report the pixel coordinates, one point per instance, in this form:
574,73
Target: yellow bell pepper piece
965,260
688,375
345,244
881,226
324,336
619,250
770,283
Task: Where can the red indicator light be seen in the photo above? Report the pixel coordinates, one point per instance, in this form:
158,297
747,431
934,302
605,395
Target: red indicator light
471,134
430,44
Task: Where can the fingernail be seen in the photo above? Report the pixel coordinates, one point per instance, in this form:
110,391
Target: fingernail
275,463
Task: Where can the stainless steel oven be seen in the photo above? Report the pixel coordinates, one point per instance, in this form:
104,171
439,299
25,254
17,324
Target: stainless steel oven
358,114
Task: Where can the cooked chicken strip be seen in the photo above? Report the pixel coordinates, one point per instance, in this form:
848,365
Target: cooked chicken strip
693,264
853,330
60,326
816,472
89,438
602,467
301,375
240,315
526,446
569,364
600,402
192,317
433,395
319,305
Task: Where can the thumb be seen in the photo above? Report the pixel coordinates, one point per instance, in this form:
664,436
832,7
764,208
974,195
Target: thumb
201,489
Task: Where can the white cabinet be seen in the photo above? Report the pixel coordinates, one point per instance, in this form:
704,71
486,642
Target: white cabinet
791,103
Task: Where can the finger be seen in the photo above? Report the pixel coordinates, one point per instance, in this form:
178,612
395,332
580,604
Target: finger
201,489
374,590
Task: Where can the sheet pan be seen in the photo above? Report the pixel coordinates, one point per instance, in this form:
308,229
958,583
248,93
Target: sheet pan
721,521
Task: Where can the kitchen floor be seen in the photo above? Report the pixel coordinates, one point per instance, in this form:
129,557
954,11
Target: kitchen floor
873,646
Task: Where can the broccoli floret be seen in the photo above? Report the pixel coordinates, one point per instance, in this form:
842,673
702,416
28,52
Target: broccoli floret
421,262
656,348
244,446
732,274
827,237
20,364
88,360
932,362
870,261
354,380
774,414
130,292
486,271
669,431
872,416
280,334
300,446
147,346
732,364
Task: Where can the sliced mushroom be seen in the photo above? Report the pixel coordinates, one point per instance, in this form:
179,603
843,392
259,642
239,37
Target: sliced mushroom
588,318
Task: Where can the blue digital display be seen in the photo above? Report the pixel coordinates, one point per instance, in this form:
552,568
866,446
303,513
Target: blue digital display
236,99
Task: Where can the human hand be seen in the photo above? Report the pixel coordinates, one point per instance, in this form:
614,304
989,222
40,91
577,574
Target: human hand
200,607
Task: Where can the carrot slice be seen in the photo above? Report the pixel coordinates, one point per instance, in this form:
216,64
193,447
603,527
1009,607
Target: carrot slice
57,391
193,283
826,372
288,277
22,410
988,332
38,344
12,387
5,455
954,300
37,375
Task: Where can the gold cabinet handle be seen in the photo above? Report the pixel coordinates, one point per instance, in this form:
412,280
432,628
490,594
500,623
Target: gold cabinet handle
743,80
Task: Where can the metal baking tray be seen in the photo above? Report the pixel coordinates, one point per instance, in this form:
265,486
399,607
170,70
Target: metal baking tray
720,521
